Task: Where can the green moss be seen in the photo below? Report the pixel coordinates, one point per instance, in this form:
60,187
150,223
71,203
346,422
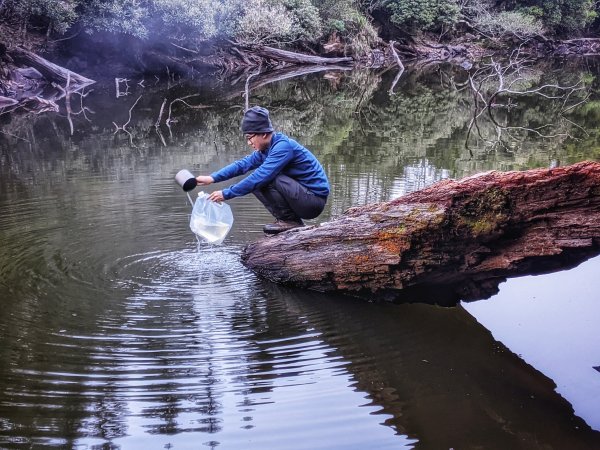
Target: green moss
483,213
482,227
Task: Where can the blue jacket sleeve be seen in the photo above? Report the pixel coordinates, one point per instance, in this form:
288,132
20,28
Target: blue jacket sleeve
279,156
239,167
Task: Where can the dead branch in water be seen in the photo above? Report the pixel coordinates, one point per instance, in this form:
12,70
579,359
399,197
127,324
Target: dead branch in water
118,92
157,123
183,100
297,58
169,121
400,67
495,80
123,127
247,90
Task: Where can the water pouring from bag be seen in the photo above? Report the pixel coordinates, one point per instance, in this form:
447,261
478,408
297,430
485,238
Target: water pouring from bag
186,180
211,232
210,221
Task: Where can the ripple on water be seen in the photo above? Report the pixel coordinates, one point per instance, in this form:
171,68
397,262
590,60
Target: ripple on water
188,345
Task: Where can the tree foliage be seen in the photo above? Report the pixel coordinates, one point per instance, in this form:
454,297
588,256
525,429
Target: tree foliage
423,14
289,21
561,15
116,16
520,23
278,21
59,15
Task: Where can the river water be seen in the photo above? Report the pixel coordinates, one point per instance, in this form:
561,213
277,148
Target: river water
119,331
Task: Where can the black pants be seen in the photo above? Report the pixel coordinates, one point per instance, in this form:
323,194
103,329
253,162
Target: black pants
286,199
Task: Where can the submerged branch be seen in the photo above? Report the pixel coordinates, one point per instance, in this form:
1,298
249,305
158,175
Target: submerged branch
123,127
496,80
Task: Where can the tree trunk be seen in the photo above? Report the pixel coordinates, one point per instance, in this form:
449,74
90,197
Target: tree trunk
50,70
454,240
298,58
272,76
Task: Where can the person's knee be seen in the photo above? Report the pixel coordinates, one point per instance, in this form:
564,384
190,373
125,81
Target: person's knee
313,212
283,183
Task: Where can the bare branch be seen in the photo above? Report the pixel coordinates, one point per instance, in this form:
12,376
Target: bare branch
400,67
118,82
564,110
494,79
195,52
183,100
157,123
123,127
247,87
160,114
14,135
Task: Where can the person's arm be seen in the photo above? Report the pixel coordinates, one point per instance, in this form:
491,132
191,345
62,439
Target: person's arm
234,169
239,167
279,156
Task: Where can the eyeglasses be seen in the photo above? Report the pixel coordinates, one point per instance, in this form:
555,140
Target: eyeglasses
249,137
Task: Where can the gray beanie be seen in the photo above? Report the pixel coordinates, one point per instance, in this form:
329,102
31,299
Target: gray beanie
256,120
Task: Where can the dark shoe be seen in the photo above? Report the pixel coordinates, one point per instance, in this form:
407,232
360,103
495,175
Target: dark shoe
281,225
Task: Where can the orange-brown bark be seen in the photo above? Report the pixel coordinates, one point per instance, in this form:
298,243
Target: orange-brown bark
454,240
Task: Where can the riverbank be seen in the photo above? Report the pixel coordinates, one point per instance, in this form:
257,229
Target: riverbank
86,57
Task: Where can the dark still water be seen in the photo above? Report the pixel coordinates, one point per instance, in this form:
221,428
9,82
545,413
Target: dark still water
117,330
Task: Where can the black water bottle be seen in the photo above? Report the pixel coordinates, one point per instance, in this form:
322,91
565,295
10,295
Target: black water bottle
186,180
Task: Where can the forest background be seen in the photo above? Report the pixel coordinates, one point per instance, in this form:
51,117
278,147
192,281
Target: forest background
353,25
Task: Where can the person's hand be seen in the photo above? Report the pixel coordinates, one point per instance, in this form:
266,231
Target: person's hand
204,180
216,196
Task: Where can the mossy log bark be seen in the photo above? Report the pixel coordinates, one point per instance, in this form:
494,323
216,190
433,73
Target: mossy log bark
454,240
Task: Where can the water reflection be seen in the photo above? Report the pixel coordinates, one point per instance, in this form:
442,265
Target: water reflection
116,331
442,377
551,321
418,176
366,138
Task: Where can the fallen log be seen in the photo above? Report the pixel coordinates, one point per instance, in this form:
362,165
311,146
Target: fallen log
298,58
272,76
454,240
49,70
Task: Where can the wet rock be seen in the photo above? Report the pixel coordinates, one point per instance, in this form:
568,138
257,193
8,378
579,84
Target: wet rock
467,65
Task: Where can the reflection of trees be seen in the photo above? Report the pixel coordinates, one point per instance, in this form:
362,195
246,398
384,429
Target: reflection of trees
365,137
418,176
53,381
429,117
342,115
498,88
391,133
108,421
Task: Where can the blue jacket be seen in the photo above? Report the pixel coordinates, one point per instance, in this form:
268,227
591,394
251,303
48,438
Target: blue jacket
284,156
